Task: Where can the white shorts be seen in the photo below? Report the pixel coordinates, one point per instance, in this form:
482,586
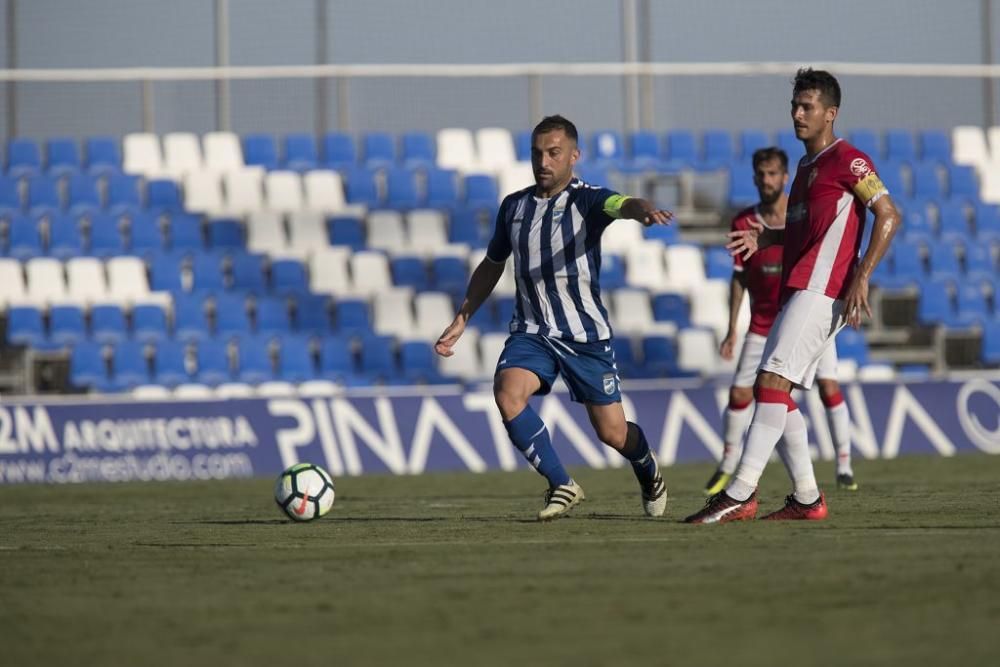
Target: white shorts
802,333
753,352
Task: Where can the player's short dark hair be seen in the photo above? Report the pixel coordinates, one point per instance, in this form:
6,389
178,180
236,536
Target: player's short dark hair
770,153
556,122
808,78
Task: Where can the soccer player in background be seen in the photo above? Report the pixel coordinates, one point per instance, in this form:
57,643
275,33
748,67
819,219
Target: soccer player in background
560,326
824,287
760,276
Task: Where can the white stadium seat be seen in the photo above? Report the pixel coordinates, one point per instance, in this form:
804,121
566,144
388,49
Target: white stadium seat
434,312
386,232
495,149
993,139
514,177
507,285
128,284
324,192
229,390
46,284
989,182
85,281
369,273
969,146
456,150
150,392
634,315
193,391
710,306
393,312
266,233
464,363
222,152
12,290
244,192
142,155
644,265
621,236
426,231
181,153
284,191
876,373
275,389
318,389
203,192
328,272
685,268
307,231
490,348
696,351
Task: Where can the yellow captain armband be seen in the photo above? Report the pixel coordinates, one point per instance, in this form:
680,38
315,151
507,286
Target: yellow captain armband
613,205
870,188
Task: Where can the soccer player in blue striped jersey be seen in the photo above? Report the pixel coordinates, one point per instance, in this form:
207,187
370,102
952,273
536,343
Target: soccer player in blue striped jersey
560,326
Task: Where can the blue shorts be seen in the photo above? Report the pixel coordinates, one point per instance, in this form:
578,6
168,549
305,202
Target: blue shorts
588,369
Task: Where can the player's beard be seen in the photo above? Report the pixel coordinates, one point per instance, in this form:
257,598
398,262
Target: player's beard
768,198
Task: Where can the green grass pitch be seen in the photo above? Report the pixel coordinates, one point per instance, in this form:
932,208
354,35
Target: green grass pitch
450,569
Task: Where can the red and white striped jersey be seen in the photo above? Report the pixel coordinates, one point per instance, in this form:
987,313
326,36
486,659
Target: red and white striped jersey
825,219
763,273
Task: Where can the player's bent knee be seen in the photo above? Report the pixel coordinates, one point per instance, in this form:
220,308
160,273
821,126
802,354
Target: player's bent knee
613,435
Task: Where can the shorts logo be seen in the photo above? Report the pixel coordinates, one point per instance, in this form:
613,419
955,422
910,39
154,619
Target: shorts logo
859,167
609,383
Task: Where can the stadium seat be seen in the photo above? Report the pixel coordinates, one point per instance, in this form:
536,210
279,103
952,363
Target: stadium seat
66,325
908,263
963,183
244,194
697,351
742,191
149,323
519,176
169,363
225,234
393,312
129,365
231,317
866,141
213,363
337,359
361,187
87,367
328,271
271,318
65,238
442,188
434,311
12,285
266,233
127,282
990,349
634,315
685,268
24,238
23,158
107,324
943,261
284,191
465,364
418,150
369,272
644,153
409,271
451,275
123,193
935,303
978,261
86,281
899,145
605,149
851,344
717,150
682,151
312,315
386,231
288,277
185,232
10,197
324,192
43,195
671,307
203,193
255,364
142,155
719,265
190,318
891,174
26,327
917,227
401,188
260,150
300,152
969,146
926,181
480,191
645,265
307,232
710,306
163,195
987,222
751,141
494,149
103,155
165,273
295,360
971,305
348,231
378,360
788,142
418,363
465,228
935,146
379,150
46,284
339,151
612,272
456,150
247,272
222,152
952,222
83,195
207,274
659,357
181,153
425,230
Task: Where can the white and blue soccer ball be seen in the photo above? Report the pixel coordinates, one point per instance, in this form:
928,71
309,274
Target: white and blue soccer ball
304,492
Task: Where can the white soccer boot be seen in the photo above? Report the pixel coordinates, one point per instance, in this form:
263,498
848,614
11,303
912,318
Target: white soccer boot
560,499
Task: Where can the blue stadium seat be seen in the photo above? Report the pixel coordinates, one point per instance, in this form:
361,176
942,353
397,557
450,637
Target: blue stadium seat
665,234
184,231
271,317
225,234
926,181
401,188
522,145
465,227
130,367
935,304
659,356
378,359
484,318
255,360
505,307
418,363
23,158
361,186
891,174
163,195
24,238
788,142
66,325
353,317
260,150
718,263
907,262
231,317
717,149
65,239
450,274
408,271
442,188
594,174
480,191
337,359
987,217
644,152
851,344
943,261
107,324
103,156
347,231
149,323
43,195
952,223
418,150
10,197
248,273
963,183
206,273
607,149
339,151
978,260
625,357
26,327
87,368
935,145
62,157
213,362
169,363
379,150
84,195
105,238
899,145
752,140
300,152
190,319
916,228
670,307
971,305
123,193
612,272
288,276
312,315
682,151
868,142
296,362
165,273
990,350
742,191
145,234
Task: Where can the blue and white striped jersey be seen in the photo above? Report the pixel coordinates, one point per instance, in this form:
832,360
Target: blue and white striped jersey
556,244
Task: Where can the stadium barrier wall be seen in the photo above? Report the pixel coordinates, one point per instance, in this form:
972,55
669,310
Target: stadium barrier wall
63,441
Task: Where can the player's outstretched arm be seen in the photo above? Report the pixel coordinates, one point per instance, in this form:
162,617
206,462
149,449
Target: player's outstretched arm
883,229
643,210
481,285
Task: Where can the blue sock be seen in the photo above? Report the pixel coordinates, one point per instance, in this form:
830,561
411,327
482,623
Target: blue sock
638,454
528,433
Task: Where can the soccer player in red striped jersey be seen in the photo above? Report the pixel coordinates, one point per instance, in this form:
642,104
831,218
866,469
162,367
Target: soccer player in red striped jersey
824,287
760,277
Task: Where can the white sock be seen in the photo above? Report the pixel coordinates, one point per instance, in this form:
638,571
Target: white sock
794,452
734,425
765,431
840,429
